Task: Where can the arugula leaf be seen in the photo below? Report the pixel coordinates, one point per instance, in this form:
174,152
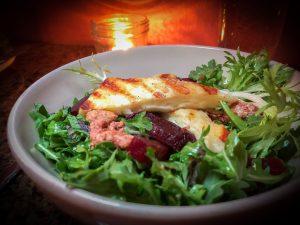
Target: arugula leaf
191,157
104,170
281,112
38,115
254,120
260,139
219,187
73,122
237,154
245,71
280,96
124,173
138,125
43,146
117,178
237,121
188,152
230,162
55,135
235,189
295,136
213,184
174,185
210,74
101,154
258,174
283,74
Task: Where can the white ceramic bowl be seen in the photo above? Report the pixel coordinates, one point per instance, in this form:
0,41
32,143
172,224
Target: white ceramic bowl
59,87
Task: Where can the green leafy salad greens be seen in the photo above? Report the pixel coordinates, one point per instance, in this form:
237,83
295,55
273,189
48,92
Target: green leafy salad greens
194,175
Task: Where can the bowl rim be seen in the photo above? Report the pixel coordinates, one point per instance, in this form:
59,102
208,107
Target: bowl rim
95,202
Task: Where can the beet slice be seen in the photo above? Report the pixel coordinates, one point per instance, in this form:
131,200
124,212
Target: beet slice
169,133
75,108
275,164
138,148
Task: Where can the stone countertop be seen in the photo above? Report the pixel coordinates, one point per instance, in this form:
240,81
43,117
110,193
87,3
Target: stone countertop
20,201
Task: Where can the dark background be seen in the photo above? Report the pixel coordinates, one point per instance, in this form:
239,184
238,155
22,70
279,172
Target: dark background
250,25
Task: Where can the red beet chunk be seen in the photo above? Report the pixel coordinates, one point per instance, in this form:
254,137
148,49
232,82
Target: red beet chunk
275,164
75,108
169,133
138,148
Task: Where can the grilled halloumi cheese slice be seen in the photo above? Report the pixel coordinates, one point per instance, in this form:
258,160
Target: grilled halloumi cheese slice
159,93
196,121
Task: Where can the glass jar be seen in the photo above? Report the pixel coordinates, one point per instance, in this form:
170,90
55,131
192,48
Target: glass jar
119,31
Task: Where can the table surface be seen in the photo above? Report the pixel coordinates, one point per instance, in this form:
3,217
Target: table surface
20,201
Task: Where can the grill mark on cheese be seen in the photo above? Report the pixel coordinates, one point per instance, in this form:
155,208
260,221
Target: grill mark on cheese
147,87
110,84
224,134
115,85
209,90
158,94
96,94
165,75
138,82
132,80
191,115
175,84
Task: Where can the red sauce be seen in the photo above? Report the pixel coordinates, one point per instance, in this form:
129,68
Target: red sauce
110,84
224,135
175,84
96,94
165,75
209,90
132,80
158,94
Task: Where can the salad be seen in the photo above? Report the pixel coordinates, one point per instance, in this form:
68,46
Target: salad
182,154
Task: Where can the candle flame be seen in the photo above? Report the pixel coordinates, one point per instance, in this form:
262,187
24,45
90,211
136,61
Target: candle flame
122,38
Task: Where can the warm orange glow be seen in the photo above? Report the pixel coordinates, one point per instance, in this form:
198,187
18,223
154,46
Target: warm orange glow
122,38
119,31
170,22
223,25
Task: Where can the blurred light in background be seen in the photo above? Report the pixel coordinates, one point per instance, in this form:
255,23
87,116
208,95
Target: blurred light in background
119,31
250,25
